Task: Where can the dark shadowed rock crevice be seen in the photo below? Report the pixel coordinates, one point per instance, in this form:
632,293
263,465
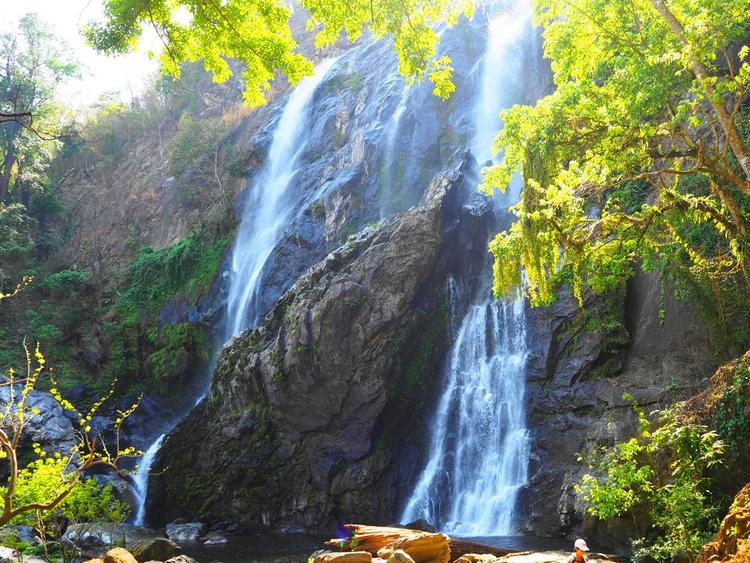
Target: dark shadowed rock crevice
307,414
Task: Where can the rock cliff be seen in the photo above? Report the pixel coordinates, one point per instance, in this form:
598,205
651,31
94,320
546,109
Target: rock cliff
584,360
316,414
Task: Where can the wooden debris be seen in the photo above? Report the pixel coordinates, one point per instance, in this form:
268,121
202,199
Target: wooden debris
373,539
422,548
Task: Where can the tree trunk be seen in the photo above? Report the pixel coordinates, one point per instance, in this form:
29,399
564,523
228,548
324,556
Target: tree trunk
9,159
734,138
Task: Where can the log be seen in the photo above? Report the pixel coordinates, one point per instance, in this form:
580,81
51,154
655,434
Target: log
374,538
421,547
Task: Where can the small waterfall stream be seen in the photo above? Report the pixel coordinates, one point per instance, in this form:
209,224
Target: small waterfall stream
140,480
479,447
268,207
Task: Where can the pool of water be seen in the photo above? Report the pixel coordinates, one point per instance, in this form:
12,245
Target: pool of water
261,548
296,548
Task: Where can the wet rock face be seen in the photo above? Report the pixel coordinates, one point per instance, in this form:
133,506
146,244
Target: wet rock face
51,428
371,148
307,414
576,388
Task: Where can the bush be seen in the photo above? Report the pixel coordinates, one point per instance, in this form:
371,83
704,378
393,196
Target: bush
661,479
89,501
65,281
193,147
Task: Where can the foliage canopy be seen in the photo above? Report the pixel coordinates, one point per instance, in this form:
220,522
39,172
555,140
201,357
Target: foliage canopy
638,154
257,33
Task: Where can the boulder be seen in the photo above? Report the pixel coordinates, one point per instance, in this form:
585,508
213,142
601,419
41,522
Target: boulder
189,531
181,559
15,534
400,556
50,428
345,557
119,555
143,543
422,525
122,489
214,538
8,555
158,549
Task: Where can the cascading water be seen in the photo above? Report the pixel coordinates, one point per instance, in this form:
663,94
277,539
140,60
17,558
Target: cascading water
140,480
267,210
478,455
502,68
269,206
479,448
388,170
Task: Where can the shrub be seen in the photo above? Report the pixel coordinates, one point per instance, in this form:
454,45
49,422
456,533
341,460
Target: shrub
661,479
65,281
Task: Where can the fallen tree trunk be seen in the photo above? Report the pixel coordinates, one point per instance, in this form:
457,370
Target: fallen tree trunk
375,538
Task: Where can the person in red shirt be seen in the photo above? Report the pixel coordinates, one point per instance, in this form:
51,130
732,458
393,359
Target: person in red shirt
581,549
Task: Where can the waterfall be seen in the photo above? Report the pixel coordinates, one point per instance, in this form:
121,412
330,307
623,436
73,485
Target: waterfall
479,447
140,480
269,205
268,208
478,456
502,68
389,171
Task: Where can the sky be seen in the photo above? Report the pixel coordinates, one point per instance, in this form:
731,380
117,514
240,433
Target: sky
125,75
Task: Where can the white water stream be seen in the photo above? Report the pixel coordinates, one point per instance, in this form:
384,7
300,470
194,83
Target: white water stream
479,447
269,206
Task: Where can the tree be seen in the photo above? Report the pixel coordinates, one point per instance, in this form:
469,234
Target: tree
62,477
661,478
257,34
641,153
21,491
33,63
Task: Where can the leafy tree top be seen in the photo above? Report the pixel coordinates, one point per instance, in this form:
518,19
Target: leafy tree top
257,33
641,143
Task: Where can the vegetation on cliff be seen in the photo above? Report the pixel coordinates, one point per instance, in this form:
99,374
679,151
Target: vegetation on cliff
641,153
676,477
